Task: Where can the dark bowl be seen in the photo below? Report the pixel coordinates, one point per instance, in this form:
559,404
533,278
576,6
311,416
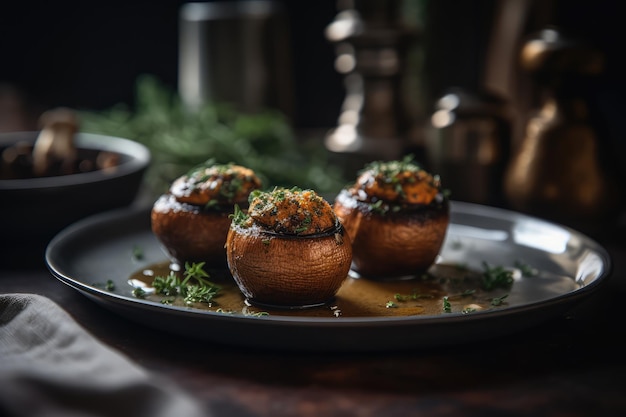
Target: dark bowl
34,210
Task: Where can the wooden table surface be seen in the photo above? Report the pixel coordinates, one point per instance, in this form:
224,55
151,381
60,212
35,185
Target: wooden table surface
573,365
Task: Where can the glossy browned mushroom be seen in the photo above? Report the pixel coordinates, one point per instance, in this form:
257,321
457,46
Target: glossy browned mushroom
397,216
289,251
192,220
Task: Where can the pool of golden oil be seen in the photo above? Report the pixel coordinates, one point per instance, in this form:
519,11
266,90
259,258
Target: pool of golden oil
444,289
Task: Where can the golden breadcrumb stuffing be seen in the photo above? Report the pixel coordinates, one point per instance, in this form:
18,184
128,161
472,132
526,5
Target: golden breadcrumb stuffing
221,184
291,211
396,182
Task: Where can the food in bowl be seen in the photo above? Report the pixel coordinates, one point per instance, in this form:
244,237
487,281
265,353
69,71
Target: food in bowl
35,208
54,152
396,215
192,219
289,250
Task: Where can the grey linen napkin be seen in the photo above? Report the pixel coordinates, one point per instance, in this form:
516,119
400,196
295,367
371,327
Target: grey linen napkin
52,367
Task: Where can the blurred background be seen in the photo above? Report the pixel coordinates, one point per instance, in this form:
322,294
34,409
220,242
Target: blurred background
90,55
360,79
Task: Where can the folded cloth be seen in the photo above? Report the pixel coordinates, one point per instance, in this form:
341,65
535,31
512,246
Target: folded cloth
52,367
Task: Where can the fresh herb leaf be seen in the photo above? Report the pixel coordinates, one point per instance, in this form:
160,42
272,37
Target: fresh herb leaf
447,307
497,301
239,217
139,292
525,269
137,253
304,225
196,271
412,296
496,277
202,292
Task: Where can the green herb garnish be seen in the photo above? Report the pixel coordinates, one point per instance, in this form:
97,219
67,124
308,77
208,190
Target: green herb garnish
412,296
496,277
391,169
137,253
139,292
497,301
525,269
238,217
447,307
109,285
304,225
202,292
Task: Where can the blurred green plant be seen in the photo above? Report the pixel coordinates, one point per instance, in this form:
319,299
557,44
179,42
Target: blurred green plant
180,139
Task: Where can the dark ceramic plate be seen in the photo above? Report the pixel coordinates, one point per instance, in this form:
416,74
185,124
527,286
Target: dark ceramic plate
565,268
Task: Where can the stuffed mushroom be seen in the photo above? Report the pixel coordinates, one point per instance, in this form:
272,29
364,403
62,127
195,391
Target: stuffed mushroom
192,219
396,215
289,250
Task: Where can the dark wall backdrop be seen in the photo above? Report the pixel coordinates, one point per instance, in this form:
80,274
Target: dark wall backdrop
88,54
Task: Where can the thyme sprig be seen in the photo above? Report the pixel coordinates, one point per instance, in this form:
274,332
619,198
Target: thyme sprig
172,285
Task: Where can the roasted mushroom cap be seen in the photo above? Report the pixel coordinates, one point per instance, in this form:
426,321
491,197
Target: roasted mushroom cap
289,251
192,220
396,216
190,233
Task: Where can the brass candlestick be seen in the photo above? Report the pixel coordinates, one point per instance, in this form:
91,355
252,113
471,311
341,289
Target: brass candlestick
560,170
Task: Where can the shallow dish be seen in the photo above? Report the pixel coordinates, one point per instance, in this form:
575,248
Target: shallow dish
34,210
567,267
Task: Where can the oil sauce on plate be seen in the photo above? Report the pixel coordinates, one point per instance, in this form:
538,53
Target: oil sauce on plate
444,289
